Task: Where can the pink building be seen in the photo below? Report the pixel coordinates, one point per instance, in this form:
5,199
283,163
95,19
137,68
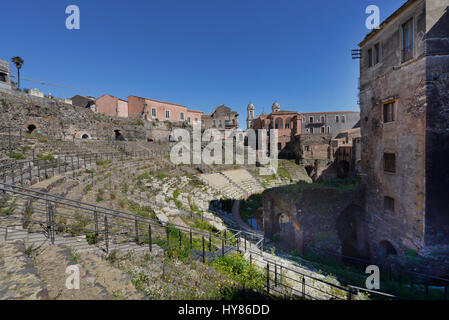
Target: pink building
154,109
112,106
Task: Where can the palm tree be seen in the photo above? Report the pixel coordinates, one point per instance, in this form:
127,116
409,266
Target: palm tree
18,61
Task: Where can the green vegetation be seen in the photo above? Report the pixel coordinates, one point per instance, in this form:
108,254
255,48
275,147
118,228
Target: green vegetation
16,155
340,184
143,211
101,162
239,269
248,207
42,156
204,225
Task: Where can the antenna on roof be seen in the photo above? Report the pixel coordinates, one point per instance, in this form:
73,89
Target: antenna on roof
356,54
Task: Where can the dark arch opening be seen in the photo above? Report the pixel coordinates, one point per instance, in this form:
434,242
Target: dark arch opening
85,136
118,135
386,249
309,170
351,233
343,169
31,128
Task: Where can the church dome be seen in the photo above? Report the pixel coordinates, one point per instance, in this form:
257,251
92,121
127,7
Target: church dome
250,106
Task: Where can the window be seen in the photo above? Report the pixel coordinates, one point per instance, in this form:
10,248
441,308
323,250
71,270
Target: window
322,119
153,112
214,123
390,162
188,119
342,119
167,115
287,125
337,119
307,130
219,123
377,53
407,40
328,129
311,119
196,120
370,58
306,148
2,77
182,116
311,130
322,129
389,112
388,204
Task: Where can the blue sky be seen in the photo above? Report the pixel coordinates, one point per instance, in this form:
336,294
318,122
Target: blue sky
200,53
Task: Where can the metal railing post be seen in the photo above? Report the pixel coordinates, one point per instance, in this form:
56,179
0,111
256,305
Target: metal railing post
150,244
21,173
204,253
96,226
303,287
136,225
106,233
268,277
275,274
191,240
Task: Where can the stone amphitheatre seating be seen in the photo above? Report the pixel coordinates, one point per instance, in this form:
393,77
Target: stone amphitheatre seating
223,185
244,180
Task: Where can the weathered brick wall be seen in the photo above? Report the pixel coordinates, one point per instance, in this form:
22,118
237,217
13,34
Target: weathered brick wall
59,120
405,137
302,217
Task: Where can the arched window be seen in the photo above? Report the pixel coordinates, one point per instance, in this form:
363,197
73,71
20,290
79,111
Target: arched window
279,124
287,123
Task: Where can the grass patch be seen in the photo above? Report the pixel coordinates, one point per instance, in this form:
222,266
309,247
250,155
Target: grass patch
239,269
16,155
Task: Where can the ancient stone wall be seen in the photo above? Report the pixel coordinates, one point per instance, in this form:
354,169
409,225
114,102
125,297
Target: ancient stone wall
63,121
300,217
395,201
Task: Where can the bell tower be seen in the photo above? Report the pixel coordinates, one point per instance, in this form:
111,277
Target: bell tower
250,118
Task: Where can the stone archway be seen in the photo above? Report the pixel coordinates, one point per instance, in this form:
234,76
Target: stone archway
118,135
386,249
85,136
31,127
343,168
351,229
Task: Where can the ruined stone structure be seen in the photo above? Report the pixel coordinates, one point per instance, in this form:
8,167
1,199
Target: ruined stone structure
346,149
5,75
58,120
222,118
86,102
404,99
300,217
